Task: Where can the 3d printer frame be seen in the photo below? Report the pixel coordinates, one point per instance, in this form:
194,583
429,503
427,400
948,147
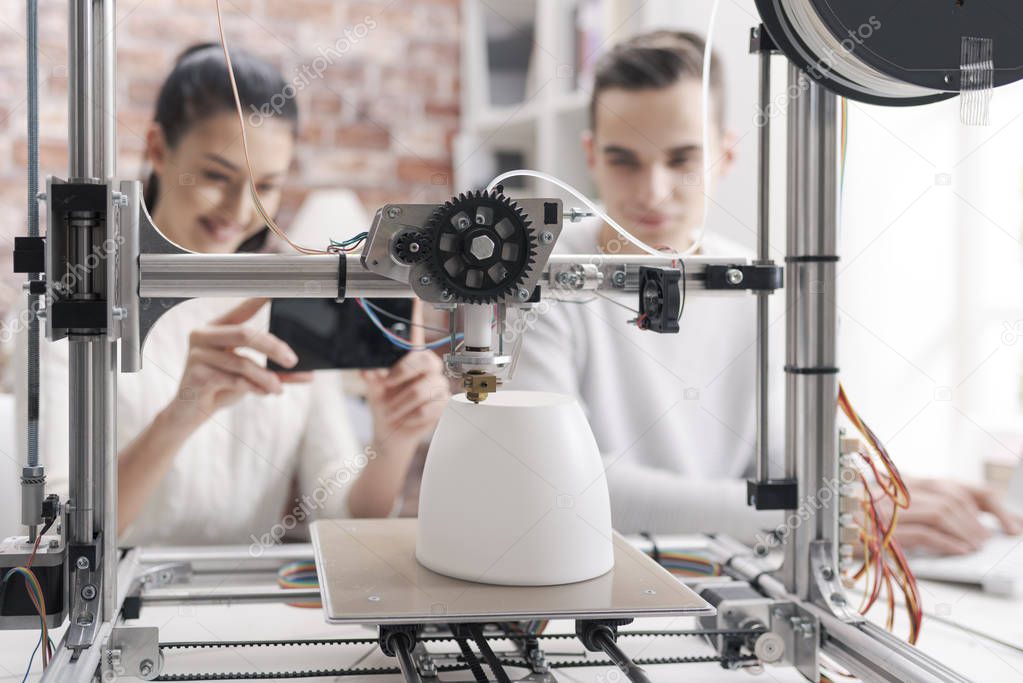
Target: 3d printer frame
135,275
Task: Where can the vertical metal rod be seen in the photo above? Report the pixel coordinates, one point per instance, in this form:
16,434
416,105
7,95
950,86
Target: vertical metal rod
811,331
81,90
763,462
80,424
105,100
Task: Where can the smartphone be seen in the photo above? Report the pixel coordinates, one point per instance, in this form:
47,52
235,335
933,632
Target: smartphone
327,335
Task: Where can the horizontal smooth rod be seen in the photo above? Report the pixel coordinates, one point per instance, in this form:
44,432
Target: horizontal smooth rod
188,276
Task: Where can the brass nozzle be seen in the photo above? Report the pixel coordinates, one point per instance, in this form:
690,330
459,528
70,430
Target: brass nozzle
478,385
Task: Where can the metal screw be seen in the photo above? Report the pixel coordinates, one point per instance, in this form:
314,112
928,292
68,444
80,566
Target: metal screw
838,598
146,667
547,237
445,295
119,313
827,573
650,591
463,222
618,279
41,314
734,276
393,212
84,619
424,280
523,294
414,247
41,197
88,591
82,562
120,198
374,598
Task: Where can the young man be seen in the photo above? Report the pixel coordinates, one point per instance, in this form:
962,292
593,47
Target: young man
673,414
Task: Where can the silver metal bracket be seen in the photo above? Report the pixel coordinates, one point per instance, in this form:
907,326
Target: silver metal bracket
133,652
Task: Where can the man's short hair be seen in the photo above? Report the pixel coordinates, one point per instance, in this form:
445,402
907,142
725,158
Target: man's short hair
658,59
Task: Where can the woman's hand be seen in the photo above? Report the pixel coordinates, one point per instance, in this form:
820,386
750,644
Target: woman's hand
943,517
407,400
216,376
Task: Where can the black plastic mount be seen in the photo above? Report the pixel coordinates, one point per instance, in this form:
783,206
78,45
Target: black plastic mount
660,301
757,277
29,254
773,494
760,40
392,635
585,629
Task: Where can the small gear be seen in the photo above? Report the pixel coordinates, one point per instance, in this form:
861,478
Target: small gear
412,247
482,246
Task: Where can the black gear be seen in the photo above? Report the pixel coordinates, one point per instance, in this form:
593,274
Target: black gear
412,247
482,247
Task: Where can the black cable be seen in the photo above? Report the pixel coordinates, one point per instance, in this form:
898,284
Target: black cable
471,660
655,552
682,306
488,654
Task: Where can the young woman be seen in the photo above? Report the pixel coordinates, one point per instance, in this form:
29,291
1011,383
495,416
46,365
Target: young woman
213,447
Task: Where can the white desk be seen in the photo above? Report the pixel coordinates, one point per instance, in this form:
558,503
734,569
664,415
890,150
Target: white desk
971,655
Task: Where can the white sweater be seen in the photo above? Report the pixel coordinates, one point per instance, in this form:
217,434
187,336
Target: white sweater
673,414
250,473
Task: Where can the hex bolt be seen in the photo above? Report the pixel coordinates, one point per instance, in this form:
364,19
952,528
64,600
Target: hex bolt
482,247
88,591
618,279
146,667
425,280
734,276
82,562
547,237
393,212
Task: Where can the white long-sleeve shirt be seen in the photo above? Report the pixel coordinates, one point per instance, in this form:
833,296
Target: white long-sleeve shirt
250,473
673,414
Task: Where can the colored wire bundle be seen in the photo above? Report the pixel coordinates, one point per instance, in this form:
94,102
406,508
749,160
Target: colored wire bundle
38,598
370,310
884,565
685,564
350,244
299,574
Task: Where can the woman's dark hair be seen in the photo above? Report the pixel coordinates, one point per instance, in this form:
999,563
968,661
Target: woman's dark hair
199,87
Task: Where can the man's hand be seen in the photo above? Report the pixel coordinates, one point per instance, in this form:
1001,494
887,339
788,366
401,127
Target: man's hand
943,517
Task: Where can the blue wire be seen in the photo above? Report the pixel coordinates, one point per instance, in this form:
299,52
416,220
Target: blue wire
391,337
32,659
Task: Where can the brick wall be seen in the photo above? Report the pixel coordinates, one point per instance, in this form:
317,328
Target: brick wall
379,120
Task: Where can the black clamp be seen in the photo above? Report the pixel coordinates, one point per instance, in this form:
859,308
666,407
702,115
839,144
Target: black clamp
758,277
760,40
29,254
773,494
392,636
588,630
